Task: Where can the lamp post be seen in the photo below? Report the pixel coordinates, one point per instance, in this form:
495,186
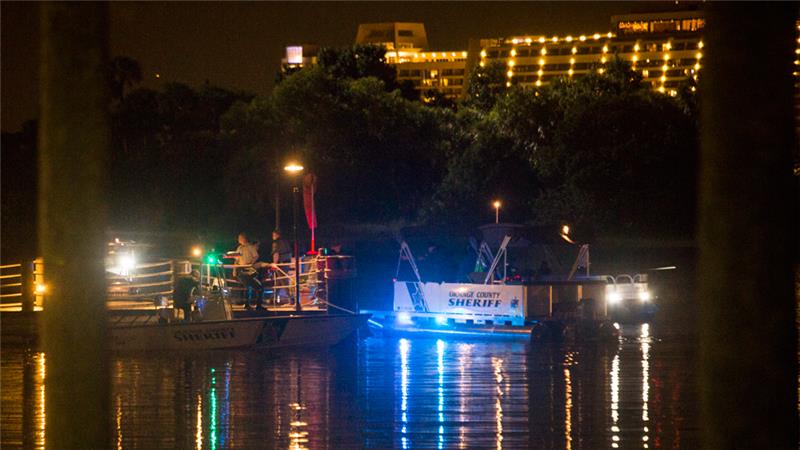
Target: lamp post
496,205
294,169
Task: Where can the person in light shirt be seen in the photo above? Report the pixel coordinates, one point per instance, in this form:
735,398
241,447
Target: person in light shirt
246,254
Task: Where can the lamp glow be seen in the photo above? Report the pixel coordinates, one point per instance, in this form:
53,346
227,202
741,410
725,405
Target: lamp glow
565,229
127,262
644,296
293,167
40,289
197,251
614,298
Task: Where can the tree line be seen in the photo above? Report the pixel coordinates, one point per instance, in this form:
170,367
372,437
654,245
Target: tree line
603,151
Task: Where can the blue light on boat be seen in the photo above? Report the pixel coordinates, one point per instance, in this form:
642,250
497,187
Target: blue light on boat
441,320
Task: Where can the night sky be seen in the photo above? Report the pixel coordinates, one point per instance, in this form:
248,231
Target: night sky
239,45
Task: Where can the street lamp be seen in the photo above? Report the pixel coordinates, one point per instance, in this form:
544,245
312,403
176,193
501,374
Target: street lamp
294,168
496,205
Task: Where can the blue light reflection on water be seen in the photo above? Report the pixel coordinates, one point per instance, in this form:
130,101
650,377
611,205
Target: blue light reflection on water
440,346
401,393
405,347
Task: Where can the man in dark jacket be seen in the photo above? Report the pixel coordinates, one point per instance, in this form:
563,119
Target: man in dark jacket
184,288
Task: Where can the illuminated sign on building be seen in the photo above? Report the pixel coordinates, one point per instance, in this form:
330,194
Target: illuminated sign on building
294,54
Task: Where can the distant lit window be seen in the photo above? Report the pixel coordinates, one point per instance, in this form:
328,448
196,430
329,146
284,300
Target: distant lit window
692,24
294,54
633,27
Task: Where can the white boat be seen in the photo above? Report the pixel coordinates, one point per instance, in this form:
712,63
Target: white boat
495,304
259,333
212,324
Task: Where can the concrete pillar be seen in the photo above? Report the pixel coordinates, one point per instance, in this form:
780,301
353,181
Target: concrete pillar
74,143
747,228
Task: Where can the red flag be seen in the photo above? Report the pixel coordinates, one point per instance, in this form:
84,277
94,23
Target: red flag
309,186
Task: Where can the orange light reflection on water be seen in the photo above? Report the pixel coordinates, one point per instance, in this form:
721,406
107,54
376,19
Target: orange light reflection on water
39,440
498,374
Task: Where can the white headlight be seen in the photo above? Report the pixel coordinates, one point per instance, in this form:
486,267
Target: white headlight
404,318
644,296
127,262
614,297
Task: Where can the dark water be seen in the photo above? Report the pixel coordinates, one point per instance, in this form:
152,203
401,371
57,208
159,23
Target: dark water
389,393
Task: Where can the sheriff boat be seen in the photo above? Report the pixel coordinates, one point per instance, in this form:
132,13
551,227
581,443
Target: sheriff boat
145,319
505,302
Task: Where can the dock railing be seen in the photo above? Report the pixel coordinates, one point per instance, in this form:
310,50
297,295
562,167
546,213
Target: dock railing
22,286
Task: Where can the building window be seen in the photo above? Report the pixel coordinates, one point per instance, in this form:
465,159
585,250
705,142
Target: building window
693,24
633,27
665,26
405,33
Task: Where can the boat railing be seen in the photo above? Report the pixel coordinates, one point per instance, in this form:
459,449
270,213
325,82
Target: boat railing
273,277
143,281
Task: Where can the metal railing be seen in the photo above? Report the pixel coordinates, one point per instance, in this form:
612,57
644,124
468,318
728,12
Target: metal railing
11,286
275,280
22,286
144,281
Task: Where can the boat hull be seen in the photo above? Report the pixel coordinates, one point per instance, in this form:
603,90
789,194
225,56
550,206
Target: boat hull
266,332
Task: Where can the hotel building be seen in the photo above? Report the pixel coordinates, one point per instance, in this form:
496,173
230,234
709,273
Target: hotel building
665,48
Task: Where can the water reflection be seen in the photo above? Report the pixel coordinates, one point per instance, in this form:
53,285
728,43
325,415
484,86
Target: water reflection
405,346
645,344
386,393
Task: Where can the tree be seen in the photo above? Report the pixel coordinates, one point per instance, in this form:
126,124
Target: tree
124,73
485,85
610,152
167,162
362,61
485,164
372,150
